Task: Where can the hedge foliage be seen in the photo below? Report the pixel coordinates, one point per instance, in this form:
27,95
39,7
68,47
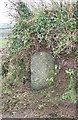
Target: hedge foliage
51,29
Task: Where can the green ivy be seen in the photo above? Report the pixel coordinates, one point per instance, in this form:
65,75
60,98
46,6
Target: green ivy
53,29
24,11
42,26
71,93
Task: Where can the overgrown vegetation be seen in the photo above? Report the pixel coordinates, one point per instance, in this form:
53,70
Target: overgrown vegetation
51,80
51,30
71,93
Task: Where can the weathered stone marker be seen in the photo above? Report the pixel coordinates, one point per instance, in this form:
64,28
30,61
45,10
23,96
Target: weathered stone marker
41,65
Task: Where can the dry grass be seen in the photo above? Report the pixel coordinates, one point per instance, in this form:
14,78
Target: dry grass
35,5
3,43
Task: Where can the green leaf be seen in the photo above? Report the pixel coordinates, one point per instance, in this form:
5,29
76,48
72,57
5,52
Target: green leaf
27,46
52,91
25,41
8,101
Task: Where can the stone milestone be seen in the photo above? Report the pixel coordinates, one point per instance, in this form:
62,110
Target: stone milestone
41,65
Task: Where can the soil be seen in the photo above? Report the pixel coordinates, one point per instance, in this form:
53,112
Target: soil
45,103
